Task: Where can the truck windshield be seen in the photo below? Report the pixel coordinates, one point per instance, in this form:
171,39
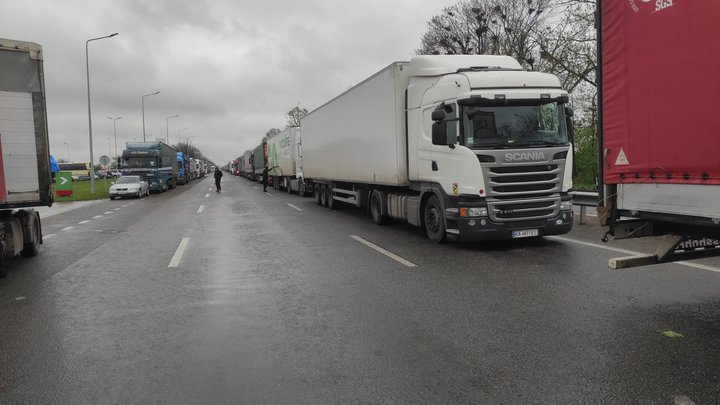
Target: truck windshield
513,126
139,163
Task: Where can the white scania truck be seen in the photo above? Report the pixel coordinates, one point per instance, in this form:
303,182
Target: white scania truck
468,147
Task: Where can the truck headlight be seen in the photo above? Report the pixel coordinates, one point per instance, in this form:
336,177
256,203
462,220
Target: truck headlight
473,212
566,205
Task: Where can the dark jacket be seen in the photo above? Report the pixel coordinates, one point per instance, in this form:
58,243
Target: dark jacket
218,174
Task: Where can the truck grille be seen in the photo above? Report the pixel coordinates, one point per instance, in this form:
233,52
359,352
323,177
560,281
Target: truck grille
527,191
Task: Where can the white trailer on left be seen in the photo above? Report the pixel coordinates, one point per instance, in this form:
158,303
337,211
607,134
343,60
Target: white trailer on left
25,179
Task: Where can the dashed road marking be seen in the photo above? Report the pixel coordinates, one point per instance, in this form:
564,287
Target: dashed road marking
107,212
267,193
83,222
50,235
97,216
299,209
179,253
383,251
67,228
117,209
632,252
201,209
125,206
207,195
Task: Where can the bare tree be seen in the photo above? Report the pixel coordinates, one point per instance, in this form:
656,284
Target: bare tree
295,115
496,27
272,132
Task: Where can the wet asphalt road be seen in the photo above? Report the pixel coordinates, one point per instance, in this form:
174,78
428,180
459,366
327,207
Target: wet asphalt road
275,301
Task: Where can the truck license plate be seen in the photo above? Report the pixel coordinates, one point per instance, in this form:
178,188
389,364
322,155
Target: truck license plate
525,233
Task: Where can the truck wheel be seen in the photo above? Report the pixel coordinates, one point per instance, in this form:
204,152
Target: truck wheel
331,203
32,248
434,220
301,188
323,195
376,209
317,194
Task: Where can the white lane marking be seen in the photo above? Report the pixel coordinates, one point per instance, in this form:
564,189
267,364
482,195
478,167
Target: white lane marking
383,251
97,216
83,222
125,206
210,189
201,209
299,209
207,195
267,193
116,209
631,252
107,212
179,253
255,187
51,235
67,228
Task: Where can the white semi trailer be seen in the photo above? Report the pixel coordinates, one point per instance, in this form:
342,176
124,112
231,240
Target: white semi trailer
25,179
468,147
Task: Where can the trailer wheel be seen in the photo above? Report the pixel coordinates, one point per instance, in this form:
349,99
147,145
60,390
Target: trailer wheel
318,200
376,209
331,203
32,248
323,195
434,220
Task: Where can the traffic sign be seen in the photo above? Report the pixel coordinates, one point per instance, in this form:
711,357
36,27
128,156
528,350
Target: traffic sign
63,184
104,160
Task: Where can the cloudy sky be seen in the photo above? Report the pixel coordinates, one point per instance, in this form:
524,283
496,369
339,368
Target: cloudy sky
232,69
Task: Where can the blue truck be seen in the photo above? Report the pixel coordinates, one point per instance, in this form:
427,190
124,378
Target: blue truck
183,162
153,161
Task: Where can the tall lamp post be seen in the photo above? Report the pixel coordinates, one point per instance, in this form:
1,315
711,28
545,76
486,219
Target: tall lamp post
115,133
68,155
167,128
143,109
87,70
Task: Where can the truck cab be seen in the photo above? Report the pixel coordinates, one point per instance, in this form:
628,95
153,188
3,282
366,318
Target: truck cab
494,139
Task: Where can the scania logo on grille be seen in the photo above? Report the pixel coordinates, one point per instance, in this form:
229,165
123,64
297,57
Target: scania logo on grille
524,156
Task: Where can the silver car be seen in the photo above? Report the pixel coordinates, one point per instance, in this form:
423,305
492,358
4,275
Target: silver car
129,186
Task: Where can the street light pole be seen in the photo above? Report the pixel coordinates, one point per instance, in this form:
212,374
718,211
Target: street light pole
68,154
167,128
143,110
115,133
87,70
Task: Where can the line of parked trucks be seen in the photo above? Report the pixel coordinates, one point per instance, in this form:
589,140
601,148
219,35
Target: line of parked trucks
466,147
474,147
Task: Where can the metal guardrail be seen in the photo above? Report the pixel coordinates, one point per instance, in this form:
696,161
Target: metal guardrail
584,199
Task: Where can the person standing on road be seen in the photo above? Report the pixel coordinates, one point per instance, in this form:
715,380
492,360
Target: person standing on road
265,179
218,176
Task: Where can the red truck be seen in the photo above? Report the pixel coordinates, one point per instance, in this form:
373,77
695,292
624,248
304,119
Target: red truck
659,137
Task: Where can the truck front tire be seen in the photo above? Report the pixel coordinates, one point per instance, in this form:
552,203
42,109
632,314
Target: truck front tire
434,220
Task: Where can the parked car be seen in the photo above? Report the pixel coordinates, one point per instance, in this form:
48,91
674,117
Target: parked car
129,186
156,185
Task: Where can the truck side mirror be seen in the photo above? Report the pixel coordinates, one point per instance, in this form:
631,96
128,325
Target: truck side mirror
438,115
439,131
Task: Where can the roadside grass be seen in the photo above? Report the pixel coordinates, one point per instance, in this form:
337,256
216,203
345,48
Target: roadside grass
81,190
